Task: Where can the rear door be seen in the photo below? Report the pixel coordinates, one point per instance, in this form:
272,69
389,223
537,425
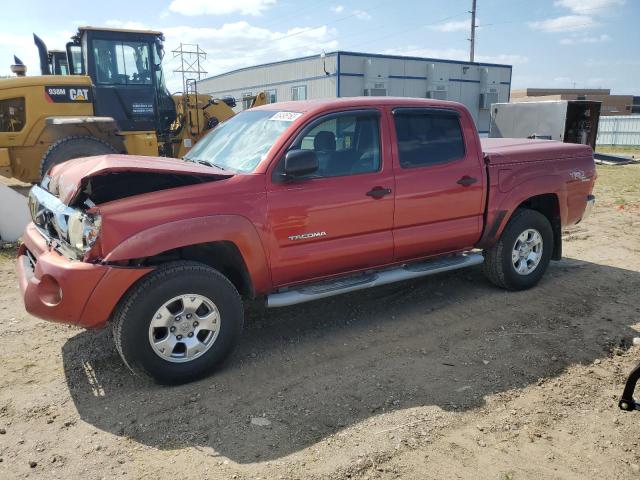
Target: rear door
338,219
439,183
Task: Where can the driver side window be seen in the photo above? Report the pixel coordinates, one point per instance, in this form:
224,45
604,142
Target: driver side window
344,145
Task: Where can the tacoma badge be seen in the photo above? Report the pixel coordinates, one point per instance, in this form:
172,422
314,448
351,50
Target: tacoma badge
304,236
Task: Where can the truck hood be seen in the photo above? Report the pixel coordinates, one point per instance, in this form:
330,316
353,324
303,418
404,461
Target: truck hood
111,177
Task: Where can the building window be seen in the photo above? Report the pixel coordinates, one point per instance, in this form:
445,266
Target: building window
272,96
247,100
299,92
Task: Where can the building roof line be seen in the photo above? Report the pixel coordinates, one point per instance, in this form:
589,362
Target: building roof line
358,54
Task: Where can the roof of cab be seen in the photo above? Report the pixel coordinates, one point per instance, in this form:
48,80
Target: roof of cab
123,30
310,106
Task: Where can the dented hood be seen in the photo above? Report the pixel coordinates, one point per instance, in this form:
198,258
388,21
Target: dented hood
67,179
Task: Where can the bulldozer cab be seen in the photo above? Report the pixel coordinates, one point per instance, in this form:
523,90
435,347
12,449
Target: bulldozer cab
125,67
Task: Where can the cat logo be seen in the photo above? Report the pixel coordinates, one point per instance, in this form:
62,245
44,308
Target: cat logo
64,94
79,94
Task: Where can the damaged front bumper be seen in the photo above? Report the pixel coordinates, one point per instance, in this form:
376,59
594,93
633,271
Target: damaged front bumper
57,288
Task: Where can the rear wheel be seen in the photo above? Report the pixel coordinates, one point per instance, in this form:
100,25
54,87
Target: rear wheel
178,323
74,146
522,254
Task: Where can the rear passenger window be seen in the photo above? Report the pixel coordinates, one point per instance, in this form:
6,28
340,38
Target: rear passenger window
428,137
344,145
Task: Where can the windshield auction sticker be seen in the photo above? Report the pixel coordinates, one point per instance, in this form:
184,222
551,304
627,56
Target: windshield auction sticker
285,116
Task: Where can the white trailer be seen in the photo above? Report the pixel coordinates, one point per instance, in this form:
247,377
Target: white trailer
569,121
14,212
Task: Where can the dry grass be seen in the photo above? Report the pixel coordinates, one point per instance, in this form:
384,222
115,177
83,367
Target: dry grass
8,251
618,185
635,151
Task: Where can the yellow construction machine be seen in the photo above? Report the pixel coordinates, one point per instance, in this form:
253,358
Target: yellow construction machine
106,93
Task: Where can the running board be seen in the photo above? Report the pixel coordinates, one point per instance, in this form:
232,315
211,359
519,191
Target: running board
315,291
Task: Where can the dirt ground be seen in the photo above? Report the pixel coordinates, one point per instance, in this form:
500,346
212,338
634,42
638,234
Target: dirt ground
446,377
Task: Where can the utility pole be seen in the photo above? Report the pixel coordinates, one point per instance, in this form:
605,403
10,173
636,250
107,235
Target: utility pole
473,30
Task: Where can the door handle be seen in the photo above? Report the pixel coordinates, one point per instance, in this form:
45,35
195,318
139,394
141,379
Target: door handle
467,181
378,192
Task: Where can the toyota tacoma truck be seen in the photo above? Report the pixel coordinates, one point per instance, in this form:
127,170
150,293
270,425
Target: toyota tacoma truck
289,202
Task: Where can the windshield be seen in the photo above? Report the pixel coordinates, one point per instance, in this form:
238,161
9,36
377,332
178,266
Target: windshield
240,143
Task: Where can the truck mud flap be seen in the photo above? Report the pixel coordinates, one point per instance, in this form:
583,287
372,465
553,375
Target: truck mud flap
627,401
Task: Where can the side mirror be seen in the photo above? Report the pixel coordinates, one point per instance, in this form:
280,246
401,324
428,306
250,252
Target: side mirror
300,162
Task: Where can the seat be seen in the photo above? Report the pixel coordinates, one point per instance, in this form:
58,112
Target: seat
324,146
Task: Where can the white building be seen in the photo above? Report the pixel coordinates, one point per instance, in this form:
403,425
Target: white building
351,74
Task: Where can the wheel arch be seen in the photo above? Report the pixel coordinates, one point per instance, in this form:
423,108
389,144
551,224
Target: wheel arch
56,128
222,255
229,243
551,204
548,204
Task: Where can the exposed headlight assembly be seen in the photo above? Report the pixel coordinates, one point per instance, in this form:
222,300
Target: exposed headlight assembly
84,229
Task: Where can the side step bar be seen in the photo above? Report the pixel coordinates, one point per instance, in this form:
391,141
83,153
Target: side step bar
315,291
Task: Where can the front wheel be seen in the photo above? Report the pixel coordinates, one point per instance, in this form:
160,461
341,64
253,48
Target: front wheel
178,323
522,254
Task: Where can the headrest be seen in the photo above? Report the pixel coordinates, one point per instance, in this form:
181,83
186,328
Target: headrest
324,141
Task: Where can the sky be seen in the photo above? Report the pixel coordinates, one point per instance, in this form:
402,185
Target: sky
550,43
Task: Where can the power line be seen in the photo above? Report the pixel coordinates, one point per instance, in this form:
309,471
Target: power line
421,25
281,19
346,17
403,31
315,45
528,20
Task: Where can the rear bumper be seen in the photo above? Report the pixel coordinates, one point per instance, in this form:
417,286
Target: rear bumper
61,290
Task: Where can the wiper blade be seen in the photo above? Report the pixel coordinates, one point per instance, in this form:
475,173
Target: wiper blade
203,162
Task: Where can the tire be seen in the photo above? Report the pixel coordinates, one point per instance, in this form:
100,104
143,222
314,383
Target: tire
74,146
139,340
499,261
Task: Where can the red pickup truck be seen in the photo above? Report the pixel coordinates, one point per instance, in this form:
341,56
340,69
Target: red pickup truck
290,202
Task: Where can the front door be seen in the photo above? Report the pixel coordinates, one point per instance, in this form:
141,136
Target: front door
439,183
338,219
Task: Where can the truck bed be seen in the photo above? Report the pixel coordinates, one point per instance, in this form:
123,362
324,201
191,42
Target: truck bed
499,151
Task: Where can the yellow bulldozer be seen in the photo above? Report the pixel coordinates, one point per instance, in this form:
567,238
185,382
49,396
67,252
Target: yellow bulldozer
105,94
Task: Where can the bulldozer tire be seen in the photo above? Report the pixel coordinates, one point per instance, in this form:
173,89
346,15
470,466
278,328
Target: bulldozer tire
74,146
